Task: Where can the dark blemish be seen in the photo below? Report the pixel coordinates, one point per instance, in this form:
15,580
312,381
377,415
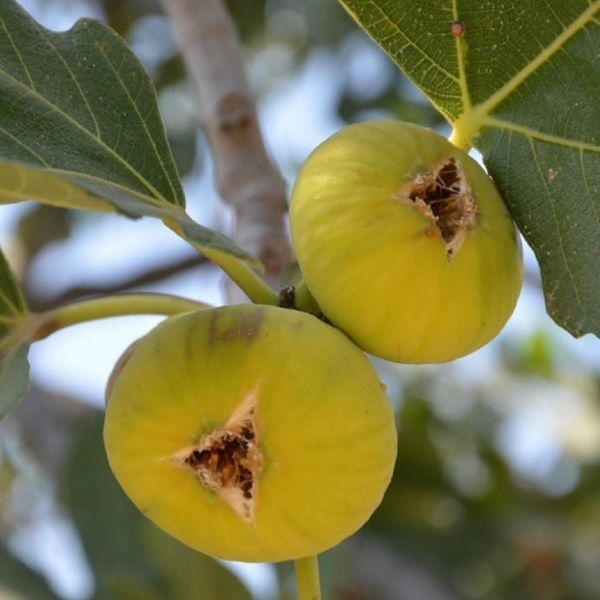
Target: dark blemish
246,326
234,113
443,195
457,28
287,297
227,462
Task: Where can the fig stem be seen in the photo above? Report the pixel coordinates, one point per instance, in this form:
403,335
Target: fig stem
304,300
308,586
110,306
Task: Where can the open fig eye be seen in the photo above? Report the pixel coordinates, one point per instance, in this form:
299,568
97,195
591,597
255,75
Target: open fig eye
405,242
250,432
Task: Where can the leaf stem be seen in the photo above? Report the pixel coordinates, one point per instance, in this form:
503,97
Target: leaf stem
308,586
458,139
109,306
238,269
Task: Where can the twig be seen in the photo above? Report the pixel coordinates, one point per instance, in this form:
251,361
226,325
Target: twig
246,177
153,275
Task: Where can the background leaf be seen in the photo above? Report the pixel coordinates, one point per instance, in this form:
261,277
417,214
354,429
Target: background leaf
14,367
14,378
11,299
525,80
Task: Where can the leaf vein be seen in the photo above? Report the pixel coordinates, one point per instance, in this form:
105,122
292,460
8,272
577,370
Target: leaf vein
79,126
501,94
20,57
142,120
390,22
73,78
529,132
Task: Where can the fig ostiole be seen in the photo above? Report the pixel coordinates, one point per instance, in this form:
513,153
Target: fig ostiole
405,242
250,433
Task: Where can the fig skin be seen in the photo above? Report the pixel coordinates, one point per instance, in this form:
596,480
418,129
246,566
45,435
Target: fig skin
378,263
322,424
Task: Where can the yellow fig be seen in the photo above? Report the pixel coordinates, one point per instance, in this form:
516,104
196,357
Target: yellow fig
405,242
250,433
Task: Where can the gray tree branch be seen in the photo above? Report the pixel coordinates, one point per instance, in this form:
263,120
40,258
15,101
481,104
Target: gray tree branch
246,177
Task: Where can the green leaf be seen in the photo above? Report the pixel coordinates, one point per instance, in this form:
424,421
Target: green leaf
523,83
14,367
11,299
79,121
80,105
14,378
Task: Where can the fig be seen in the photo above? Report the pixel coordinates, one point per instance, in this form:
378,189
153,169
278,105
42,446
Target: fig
405,242
250,433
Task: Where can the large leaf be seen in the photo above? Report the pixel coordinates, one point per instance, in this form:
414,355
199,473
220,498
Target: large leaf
79,106
523,83
14,367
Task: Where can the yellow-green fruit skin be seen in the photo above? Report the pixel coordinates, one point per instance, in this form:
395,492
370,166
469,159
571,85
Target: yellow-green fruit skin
323,423
377,267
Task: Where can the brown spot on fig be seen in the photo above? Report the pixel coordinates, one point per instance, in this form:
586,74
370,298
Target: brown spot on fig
228,461
443,195
246,326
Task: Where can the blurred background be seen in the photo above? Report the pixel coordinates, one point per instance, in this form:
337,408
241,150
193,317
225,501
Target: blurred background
496,492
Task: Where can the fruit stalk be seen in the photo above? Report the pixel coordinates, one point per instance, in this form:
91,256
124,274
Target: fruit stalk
304,300
111,306
308,586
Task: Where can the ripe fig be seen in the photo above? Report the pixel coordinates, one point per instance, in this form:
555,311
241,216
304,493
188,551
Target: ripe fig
250,433
405,242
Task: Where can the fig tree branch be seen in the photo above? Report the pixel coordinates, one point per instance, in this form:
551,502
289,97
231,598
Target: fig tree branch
147,277
246,177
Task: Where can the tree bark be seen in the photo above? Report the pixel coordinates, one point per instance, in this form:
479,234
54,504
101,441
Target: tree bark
246,177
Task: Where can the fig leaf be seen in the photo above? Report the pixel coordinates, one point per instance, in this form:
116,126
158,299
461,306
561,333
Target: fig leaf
521,82
79,122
